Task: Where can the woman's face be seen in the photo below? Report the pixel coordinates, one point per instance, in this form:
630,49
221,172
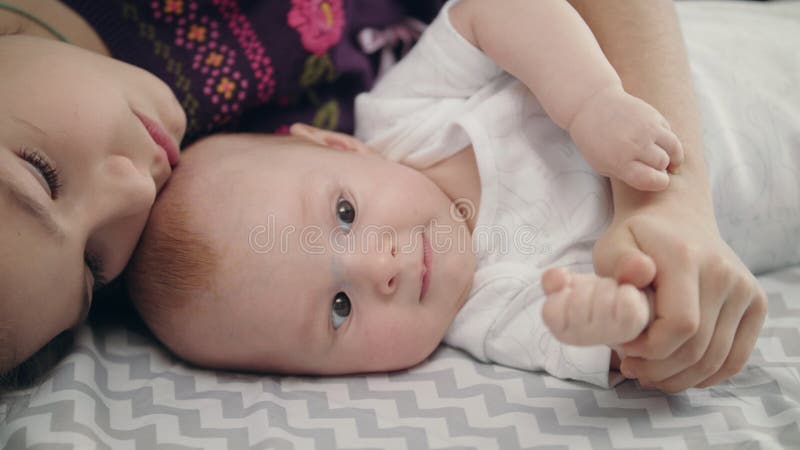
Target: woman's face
86,142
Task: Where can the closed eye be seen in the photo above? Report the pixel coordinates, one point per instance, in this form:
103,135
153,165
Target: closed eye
45,169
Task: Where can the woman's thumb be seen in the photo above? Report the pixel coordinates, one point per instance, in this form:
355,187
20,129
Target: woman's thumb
623,260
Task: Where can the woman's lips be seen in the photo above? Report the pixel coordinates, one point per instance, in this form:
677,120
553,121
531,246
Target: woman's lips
427,255
161,138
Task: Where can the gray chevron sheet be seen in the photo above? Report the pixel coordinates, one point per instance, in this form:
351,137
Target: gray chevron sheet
120,390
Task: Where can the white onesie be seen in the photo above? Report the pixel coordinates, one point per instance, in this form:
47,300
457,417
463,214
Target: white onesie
541,205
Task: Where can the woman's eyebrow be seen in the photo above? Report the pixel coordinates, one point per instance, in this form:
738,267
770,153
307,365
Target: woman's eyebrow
34,208
29,125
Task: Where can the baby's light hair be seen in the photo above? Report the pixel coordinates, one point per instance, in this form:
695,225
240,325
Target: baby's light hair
173,263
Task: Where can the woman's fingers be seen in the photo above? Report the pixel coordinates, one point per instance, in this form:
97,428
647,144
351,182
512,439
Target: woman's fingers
716,352
744,341
677,304
732,312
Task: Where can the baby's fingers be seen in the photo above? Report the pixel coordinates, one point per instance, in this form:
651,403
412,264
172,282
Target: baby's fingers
669,142
639,175
555,312
555,279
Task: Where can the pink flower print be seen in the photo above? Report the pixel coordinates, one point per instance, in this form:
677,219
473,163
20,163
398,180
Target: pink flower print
197,33
173,7
319,22
226,87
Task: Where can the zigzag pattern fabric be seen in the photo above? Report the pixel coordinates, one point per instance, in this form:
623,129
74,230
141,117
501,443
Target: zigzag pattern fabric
120,390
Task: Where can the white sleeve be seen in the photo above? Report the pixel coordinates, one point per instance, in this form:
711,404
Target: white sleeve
502,323
411,114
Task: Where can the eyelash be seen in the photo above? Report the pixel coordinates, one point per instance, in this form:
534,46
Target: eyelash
48,172
52,178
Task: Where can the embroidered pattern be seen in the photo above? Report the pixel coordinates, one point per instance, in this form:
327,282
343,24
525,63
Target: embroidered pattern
182,82
201,35
222,67
319,22
260,62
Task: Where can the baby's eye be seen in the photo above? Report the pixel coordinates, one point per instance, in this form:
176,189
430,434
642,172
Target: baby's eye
345,213
340,310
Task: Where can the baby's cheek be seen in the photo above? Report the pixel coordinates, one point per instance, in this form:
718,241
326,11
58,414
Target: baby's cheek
399,343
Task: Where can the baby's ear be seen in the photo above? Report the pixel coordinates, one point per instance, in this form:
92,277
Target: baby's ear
328,138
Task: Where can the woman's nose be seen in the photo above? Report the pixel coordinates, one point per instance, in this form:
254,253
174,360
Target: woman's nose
122,201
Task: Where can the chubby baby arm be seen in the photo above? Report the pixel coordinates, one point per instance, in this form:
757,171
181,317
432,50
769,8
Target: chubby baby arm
546,45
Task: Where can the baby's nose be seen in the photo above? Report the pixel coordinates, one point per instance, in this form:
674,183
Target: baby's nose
382,265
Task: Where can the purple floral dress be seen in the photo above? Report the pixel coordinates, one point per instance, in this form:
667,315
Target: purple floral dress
260,65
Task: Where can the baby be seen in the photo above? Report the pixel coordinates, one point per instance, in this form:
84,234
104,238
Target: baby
471,222
315,254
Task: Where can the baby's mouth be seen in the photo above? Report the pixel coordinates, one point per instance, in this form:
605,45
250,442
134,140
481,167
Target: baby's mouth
427,256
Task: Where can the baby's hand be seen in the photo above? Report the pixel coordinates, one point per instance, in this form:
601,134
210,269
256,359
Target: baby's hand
584,309
623,137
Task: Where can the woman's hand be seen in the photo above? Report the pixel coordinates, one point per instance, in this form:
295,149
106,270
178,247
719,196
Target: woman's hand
709,308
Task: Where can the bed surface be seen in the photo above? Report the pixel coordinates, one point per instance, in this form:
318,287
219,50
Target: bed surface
120,390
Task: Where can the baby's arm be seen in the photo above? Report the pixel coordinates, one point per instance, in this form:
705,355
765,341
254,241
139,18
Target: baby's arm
546,45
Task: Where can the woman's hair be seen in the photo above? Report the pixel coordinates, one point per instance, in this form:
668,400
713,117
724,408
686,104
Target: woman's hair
33,369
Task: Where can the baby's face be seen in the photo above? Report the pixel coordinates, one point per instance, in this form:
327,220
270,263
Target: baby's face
332,262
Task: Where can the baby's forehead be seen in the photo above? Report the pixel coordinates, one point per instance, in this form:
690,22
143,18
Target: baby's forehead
273,285
229,176
261,237
253,201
